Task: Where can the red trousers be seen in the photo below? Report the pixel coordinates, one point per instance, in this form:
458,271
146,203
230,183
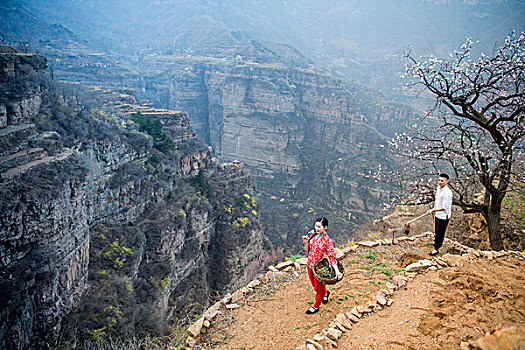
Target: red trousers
320,289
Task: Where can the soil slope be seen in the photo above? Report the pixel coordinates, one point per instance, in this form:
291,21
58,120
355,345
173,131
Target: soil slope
437,309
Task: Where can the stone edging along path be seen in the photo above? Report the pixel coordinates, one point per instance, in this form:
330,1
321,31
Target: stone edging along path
343,321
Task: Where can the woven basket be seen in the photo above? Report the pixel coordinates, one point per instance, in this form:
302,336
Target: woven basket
325,262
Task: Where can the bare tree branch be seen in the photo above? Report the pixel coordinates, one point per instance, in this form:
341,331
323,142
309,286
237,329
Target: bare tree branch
479,131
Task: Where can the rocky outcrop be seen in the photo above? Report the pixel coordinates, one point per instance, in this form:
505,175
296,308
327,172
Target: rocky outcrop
506,336
113,216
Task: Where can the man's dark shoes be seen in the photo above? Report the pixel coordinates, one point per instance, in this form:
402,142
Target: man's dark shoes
434,253
312,310
325,299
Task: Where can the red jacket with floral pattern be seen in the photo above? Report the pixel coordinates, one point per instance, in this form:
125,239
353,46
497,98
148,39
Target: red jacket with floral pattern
319,245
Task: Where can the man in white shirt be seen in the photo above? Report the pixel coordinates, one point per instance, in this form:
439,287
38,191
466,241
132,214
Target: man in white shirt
443,210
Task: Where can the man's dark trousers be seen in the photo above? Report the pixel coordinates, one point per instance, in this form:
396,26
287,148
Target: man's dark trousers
440,226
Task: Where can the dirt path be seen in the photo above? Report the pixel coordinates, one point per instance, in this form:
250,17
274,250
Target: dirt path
436,310
440,309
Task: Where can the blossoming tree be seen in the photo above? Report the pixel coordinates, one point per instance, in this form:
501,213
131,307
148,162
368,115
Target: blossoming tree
475,129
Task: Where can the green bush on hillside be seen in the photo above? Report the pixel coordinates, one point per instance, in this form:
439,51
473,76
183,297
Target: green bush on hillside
153,128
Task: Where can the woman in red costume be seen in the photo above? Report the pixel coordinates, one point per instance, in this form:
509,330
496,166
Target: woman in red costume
315,245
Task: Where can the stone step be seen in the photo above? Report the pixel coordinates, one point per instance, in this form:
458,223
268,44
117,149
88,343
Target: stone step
11,173
14,138
21,157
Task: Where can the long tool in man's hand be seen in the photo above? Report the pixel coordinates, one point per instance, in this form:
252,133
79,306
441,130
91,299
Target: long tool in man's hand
406,229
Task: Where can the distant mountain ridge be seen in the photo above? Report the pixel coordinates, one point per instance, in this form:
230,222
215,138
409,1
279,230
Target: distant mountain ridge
352,37
316,28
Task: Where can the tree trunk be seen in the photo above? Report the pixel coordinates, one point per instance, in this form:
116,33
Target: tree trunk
494,224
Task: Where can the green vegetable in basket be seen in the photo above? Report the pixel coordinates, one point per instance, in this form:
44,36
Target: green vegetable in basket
326,272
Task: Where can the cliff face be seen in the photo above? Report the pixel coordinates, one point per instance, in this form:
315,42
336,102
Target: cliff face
113,214
311,143
302,135
44,233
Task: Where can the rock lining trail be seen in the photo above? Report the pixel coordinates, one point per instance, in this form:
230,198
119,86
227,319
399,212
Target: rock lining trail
435,309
